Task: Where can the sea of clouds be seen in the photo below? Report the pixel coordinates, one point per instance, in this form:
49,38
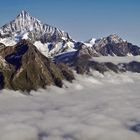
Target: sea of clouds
97,107
116,59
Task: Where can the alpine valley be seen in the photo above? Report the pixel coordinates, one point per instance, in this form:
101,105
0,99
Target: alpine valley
34,55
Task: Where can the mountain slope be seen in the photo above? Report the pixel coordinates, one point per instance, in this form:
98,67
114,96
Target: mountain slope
23,67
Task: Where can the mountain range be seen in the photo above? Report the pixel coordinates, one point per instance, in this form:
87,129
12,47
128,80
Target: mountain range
34,54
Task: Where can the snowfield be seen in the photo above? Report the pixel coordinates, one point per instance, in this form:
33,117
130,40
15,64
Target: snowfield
101,107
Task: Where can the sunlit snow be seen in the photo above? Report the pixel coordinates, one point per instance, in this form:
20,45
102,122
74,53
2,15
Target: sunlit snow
8,41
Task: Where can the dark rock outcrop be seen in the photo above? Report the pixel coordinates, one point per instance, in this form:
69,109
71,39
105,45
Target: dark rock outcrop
104,67
133,66
1,81
136,128
81,63
66,71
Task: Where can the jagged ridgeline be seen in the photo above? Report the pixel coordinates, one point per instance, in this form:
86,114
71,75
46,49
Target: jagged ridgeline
32,28
52,41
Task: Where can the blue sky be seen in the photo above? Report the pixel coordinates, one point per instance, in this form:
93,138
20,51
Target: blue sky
83,19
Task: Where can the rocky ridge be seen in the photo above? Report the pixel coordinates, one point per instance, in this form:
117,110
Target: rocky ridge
23,67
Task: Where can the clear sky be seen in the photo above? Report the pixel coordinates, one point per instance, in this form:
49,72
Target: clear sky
83,19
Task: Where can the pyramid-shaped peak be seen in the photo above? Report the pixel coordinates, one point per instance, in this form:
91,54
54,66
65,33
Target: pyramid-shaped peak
25,26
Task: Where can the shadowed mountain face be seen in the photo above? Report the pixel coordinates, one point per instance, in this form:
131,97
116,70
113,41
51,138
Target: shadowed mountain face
1,81
25,68
16,57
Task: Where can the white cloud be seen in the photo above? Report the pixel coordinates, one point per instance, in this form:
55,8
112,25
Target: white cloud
102,107
19,132
116,59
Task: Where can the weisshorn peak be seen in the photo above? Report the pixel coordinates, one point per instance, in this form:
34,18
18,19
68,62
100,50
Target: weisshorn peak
25,26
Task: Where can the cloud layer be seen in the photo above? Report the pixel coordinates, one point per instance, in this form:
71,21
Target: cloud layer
101,107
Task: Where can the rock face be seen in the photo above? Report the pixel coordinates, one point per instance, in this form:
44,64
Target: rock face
23,67
114,45
133,66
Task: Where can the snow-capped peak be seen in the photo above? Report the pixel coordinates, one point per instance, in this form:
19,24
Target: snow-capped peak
24,23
